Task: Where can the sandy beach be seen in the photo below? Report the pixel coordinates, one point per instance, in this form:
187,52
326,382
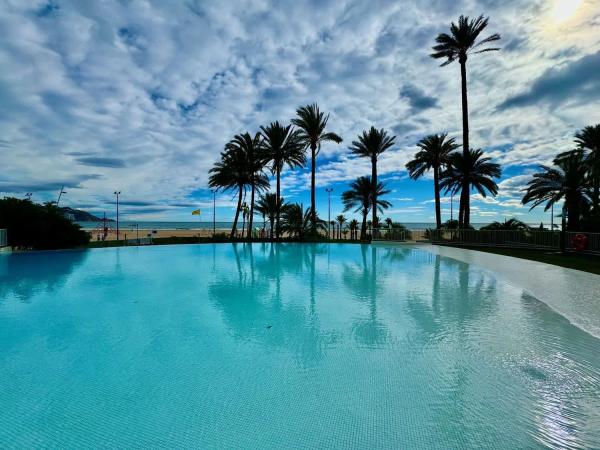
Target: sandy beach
144,233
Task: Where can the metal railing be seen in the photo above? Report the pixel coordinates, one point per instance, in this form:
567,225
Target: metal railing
3,238
534,239
138,241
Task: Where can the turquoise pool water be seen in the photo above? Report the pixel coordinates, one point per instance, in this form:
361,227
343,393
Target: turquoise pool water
285,346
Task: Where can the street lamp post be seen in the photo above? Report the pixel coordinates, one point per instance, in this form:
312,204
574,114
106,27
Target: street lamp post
329,191
117,193
62,191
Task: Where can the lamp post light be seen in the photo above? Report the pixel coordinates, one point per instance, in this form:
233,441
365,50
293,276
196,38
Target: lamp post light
62,191
117,193
214,193
329,191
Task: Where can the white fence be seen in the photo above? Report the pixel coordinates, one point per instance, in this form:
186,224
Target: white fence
535,239
3,238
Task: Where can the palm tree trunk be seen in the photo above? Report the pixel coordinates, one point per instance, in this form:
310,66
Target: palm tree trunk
363,228
465,120
278,200
374,192
572,203
596,196
467,213
461,210
436,188
237,214
313,169
251,219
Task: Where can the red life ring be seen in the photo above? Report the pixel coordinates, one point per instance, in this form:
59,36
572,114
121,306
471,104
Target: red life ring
579,242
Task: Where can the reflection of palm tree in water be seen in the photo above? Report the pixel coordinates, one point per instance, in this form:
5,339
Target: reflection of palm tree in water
257,304
363,282
456,302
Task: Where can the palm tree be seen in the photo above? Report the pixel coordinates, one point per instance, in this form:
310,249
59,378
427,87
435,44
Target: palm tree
588,140
341,220
245,212
471,172
312,122
230,173
371,144
297,222
507,225
458,45
236,171
268,207
433,155
566,180
282,148
353,225
359,196
252,147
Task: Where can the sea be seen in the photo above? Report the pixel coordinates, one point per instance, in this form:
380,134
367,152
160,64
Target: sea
156,225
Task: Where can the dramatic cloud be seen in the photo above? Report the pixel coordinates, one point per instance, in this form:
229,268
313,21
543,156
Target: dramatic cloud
576,81
141,95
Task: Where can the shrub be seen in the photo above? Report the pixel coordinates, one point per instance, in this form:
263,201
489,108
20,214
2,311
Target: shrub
40,227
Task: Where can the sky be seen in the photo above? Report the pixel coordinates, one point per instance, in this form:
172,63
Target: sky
140,96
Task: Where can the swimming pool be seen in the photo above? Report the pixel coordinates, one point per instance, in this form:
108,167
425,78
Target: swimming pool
285,346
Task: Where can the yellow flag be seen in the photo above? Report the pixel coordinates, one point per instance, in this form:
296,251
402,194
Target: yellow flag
196,212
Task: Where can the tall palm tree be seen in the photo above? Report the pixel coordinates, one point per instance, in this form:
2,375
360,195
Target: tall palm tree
359,196
371,144
341,220
282,148
312,122
267,206
235,171
588,140
566,180
252,147
475,171
433,155
458,45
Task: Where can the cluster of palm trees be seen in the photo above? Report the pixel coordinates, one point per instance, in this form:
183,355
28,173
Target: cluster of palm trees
453,171
246,159
574,179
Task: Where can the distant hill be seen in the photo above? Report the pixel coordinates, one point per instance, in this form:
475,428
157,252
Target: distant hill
82,216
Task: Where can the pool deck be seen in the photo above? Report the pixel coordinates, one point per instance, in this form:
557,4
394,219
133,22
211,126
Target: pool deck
572,293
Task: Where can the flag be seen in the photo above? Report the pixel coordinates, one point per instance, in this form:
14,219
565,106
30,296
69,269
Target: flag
196,212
